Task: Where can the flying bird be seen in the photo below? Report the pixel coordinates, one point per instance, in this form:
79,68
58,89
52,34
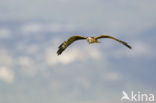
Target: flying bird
90,40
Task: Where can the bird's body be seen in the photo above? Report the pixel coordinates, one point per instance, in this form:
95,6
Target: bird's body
90,40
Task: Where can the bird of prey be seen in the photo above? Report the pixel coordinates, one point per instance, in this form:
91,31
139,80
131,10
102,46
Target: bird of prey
90,40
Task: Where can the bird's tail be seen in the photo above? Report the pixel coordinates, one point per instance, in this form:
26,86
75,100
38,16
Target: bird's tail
98,41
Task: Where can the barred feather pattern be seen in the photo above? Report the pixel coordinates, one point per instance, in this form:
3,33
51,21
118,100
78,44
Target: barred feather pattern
65,44
62,47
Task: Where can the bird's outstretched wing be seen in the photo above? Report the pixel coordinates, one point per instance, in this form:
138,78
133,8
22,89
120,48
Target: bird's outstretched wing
65,44
107,36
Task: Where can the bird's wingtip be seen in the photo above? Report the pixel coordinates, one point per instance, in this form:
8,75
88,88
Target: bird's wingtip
129,47
58,53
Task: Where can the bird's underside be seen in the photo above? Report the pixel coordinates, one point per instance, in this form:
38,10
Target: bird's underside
90,40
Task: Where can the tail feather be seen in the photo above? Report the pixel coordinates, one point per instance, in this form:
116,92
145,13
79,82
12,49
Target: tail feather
98,41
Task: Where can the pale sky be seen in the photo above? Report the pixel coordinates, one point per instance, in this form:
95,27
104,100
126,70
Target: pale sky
32,30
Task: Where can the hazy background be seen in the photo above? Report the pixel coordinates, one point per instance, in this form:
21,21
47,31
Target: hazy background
31,31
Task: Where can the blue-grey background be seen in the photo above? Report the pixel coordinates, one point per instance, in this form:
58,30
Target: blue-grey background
31,31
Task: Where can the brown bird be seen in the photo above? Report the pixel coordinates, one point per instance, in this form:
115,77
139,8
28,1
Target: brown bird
90,40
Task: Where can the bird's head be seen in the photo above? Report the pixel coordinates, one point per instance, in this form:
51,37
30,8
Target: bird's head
93,37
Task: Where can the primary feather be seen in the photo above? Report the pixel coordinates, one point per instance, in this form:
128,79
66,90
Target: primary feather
65,44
